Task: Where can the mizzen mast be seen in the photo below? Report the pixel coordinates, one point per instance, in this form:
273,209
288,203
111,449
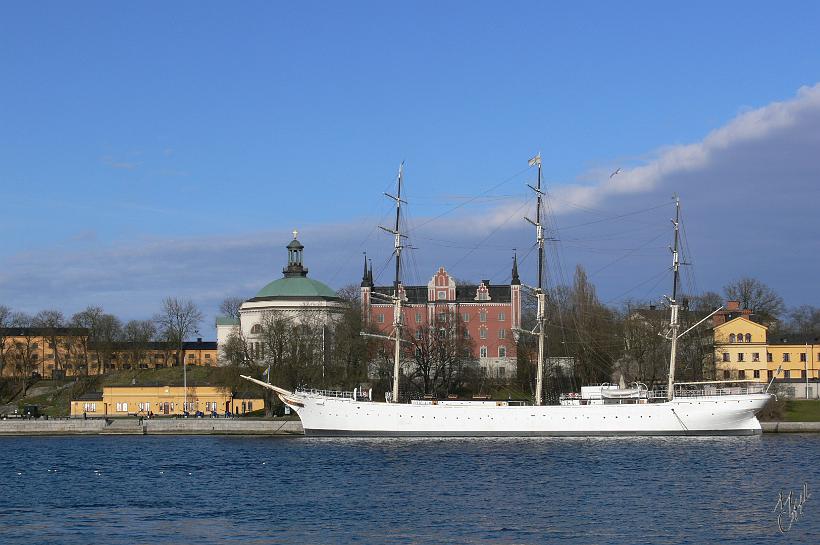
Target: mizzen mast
673,304
539,289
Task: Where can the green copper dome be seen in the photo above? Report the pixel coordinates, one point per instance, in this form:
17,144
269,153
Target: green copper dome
295,283
298,286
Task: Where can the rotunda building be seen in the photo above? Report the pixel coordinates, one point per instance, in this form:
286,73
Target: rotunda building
295,296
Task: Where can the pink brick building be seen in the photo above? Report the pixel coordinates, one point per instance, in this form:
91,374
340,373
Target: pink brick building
488,312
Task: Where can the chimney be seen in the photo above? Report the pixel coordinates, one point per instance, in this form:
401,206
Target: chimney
199,340
732,305
652,306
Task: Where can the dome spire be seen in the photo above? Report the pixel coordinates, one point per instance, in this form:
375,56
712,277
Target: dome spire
295,268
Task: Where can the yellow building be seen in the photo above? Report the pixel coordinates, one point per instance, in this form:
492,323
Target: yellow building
164,400
51,352
745,350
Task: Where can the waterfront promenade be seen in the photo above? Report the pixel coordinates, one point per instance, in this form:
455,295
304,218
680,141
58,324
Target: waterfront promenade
219,426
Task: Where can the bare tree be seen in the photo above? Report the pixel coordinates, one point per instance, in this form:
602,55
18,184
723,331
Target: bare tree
87,319
5,322
178,321
230,306
108,332
52,321
138,334
441,354
350,293
24,351
805,320
706,302
757,297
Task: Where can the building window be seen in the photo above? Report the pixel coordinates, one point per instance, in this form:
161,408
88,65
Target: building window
741,374
502,351
418,317
207,356
483,371
256,329
501,317
482,333
755,356
442,295
466,334
502,333
787,374
740,356
418,334
90,407
122,407
465,317
803,357
748,337
757,373
726,356
803,373
786,357
731,337
769,357
380,318
769,375
502,371
250,406
442,317
418,352
482,352
482,316
190,356
727,375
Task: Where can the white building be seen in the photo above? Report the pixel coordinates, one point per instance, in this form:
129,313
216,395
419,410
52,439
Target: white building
301,298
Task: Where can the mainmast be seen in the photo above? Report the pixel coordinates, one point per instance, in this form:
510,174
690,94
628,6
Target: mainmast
397,303
673,304
539,290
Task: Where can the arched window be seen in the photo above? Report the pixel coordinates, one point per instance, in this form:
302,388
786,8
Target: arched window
740,337
748,337
731,337
256,329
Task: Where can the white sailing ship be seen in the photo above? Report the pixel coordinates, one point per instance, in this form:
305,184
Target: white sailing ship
693,408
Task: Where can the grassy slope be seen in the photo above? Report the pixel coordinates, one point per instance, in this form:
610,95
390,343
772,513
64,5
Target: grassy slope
802,410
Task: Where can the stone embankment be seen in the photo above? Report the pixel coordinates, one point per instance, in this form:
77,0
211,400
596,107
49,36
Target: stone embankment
790,427
156,426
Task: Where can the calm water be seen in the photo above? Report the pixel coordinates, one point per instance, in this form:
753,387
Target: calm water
155,490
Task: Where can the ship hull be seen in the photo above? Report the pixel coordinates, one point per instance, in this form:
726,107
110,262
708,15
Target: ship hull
712,415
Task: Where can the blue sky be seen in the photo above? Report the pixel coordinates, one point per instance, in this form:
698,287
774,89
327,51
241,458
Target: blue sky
159,148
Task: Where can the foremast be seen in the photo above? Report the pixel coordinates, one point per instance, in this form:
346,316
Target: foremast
397,298
673,304
539,289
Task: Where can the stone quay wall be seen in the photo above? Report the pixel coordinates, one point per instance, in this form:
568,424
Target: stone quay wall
155,426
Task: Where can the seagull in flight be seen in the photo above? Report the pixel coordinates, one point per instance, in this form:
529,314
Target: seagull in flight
618,171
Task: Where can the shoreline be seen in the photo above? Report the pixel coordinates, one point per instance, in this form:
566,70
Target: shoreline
216,426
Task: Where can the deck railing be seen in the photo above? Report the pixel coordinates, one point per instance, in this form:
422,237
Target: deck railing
324,393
